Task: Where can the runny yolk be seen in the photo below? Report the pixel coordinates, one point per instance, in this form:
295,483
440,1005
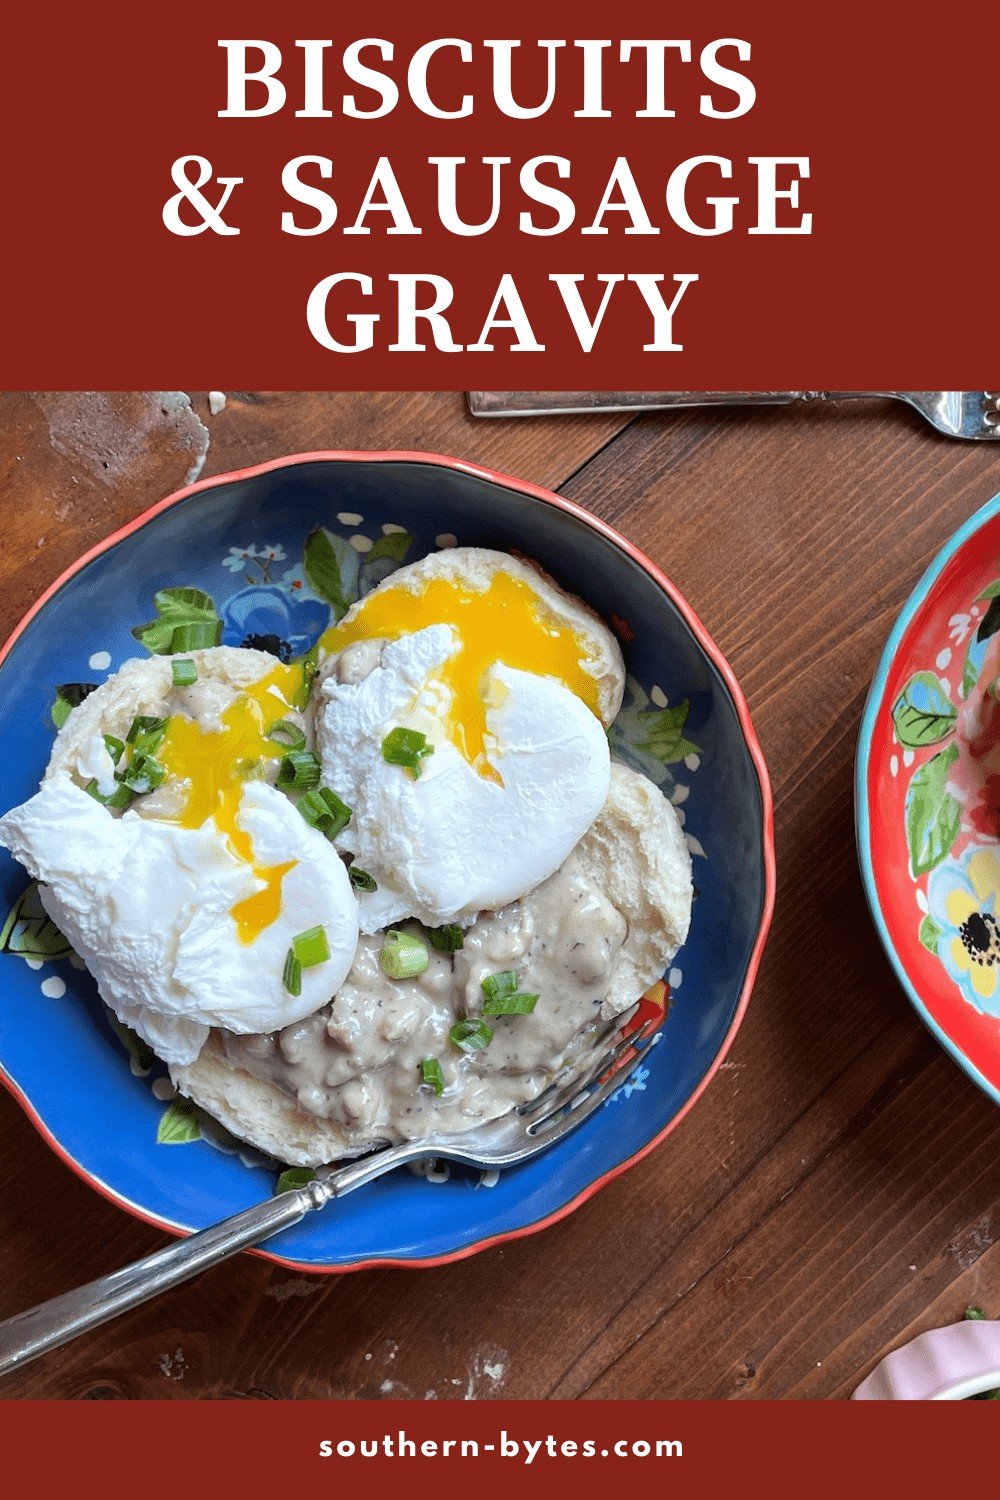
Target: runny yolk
217,763
506,622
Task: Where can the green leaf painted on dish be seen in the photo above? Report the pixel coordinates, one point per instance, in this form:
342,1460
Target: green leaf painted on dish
30,932
970,677
140,1054
185,605
176,608
924,713
665,733
178,1124
393,545
624,748
933,815
331,567
295,1177
930,933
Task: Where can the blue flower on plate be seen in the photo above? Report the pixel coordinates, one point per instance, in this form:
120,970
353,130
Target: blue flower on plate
634,1085
269,618
239,558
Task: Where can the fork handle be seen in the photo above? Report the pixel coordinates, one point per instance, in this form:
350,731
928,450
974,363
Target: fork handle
49,1325
758,398
53,1323
537,403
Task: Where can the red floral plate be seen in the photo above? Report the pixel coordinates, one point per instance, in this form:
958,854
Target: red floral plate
928,797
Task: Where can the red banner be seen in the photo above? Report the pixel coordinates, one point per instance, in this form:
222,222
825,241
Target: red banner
720,197
498,1448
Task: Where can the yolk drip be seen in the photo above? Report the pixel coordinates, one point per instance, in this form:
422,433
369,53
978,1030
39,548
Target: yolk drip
217,763
260,910
506,622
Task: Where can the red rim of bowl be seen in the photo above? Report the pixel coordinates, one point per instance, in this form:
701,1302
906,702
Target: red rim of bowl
711,650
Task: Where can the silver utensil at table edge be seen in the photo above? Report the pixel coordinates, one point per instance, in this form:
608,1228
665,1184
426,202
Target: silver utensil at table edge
958,414
512,1139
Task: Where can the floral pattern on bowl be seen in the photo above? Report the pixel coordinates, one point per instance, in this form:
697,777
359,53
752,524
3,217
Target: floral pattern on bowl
333,574
961,925
928,797
276,552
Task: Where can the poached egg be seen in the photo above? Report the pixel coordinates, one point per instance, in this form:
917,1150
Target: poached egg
186,908
519,765
154,910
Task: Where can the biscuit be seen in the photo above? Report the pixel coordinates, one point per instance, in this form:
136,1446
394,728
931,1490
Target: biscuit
140,687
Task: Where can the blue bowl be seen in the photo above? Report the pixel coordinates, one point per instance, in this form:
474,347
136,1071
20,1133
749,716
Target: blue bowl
240,537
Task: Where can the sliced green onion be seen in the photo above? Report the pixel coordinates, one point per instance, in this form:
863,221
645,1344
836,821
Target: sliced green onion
299,771
339,811
185,672
114,747
301,699
518,1004
311,947
60,711
294,1177
69,695
471,1036
146,732
198,635
287,734
403,956
324,810
120,798
447,939
250,767
406,747
430,1068
313,808
293,974
361,880
499,984
143,774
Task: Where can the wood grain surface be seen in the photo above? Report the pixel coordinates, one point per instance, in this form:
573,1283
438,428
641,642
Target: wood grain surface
838,1187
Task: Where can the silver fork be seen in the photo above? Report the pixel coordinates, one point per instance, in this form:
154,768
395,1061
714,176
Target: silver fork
958,414
509,1141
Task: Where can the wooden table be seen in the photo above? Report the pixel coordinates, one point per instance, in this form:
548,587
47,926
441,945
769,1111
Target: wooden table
838,1188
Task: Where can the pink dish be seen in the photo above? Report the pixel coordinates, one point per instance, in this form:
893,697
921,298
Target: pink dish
947,1364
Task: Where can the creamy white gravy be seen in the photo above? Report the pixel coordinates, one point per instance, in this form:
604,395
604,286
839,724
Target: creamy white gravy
357,1062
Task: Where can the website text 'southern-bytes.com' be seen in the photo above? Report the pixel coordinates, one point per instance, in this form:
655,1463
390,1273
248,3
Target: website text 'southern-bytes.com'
522,1449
